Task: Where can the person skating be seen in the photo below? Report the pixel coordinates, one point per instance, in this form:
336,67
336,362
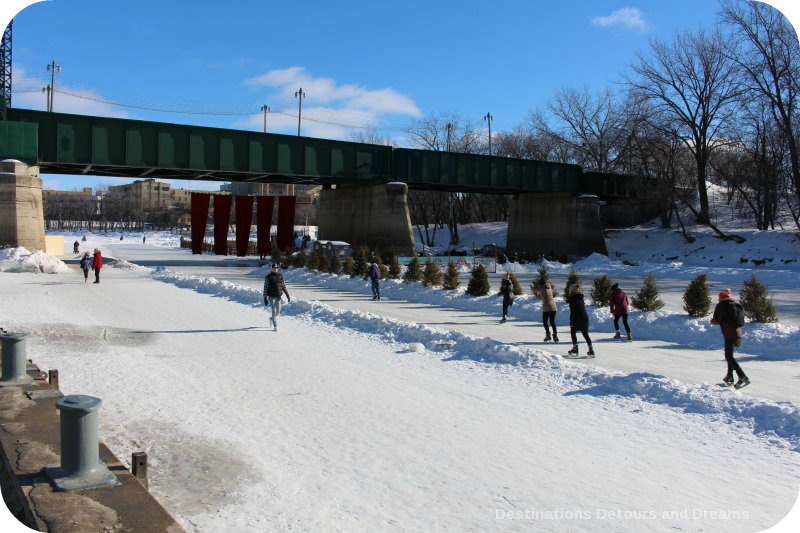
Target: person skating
86,265
97,264
732,336
507,292
76,247
374,274
549,309
274,289
578,320
619,309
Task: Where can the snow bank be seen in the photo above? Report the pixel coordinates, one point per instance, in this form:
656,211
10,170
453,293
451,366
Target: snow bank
21,260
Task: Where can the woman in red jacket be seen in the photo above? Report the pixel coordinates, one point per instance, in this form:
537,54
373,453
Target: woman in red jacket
619,308
97,264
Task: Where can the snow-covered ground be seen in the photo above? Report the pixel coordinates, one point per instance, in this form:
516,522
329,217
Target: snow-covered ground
420,412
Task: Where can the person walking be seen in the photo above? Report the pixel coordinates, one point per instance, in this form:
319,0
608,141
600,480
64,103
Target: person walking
723,316
374,274
76,247
578,320
619,309
507,292
86,264
274,289
549,309
97,264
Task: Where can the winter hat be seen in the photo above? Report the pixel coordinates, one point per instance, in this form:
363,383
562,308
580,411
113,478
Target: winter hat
725,295
573,287
615,286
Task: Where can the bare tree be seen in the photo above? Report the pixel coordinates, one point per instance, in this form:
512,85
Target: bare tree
370,136
693,81
766,48
446,132
594,129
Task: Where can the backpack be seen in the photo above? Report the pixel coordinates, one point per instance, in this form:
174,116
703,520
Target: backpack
734,314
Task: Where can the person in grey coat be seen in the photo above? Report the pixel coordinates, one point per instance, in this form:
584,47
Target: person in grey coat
374,274
86,265
274,289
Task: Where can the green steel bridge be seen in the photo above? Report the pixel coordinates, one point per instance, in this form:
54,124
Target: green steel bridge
61,143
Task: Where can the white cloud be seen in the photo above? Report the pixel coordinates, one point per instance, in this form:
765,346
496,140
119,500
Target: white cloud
348,98
627,17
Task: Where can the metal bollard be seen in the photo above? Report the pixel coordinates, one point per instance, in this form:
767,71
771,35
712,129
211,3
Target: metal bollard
80,467
15,364
139,467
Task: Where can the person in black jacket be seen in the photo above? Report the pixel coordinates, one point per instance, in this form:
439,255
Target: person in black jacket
732,336
274,289
578,320
507,292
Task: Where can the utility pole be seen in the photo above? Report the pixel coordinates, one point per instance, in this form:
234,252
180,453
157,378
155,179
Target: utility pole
488,118
299,94
52,68
449,128
265,109
46,90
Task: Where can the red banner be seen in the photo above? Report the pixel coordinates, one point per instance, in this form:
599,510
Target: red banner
264,208
286,208
200,202
222,216
244,216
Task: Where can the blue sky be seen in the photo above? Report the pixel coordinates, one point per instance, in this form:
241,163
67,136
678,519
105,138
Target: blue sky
360,63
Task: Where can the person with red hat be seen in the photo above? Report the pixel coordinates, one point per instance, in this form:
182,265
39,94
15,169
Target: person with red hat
732,335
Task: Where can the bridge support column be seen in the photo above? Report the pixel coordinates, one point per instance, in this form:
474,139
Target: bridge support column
555,224
21,211
373,215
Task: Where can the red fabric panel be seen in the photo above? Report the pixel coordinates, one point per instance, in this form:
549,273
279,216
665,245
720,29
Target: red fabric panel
200,202
222,217
285,237
265,206
244,216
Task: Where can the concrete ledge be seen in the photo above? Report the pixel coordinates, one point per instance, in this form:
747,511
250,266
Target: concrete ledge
30,441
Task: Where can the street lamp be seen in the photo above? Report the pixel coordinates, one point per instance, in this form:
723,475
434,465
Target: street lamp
488,118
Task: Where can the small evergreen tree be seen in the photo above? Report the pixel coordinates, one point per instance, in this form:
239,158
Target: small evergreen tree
324,264
277,256
646,299
361,258
757,303
479,281
572,279
601,291
451,281
432,274
542,276
515,287
349,266
413,272
394,266
697,297
336,264
313,261
384,271
299,260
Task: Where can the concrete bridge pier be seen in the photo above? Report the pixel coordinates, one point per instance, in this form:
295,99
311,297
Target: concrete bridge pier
21,211
373,215
555,224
